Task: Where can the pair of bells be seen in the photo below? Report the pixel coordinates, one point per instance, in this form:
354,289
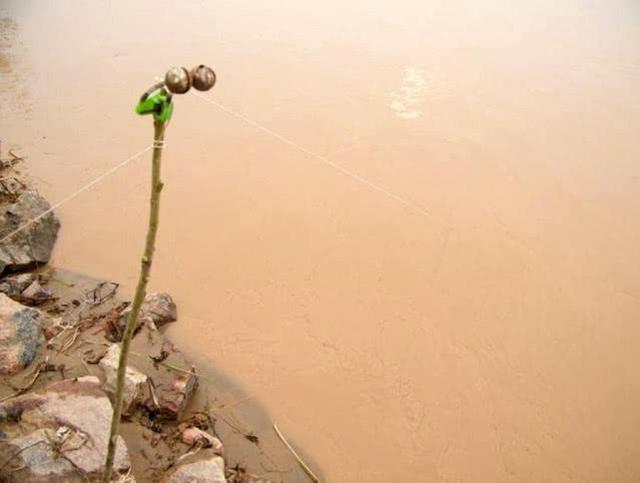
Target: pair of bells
179,80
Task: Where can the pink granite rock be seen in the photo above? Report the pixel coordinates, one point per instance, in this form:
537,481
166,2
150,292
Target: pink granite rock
60,433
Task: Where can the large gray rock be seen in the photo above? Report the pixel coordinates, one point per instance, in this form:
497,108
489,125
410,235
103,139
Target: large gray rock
204,467
58,434
20,335
33,245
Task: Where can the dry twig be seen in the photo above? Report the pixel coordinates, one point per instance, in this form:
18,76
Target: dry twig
304,466
17,453
71,341
24,389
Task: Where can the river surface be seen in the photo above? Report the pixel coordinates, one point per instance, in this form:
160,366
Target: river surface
479,321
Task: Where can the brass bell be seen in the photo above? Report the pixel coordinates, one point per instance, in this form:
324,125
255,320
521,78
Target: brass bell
203,77
177,80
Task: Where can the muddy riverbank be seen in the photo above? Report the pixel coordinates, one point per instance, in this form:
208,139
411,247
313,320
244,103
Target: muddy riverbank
59,334
81,312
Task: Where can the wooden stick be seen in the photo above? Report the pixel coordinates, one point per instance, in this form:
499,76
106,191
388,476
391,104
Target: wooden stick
132,319
304,466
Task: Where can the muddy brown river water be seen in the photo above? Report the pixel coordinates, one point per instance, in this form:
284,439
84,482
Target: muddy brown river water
490,335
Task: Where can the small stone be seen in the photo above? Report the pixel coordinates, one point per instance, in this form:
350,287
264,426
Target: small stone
134,384
89,379
20,335
205,467
14,285
36,294
11,187
51,327
158,309
194,435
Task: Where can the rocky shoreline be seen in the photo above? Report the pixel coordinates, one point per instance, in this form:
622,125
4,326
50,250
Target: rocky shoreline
59,334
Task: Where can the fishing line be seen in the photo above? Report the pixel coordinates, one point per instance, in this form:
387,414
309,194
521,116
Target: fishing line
160,144
319,157
80,190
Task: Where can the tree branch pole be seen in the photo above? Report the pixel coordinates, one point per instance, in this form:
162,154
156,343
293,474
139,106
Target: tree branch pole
132,319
